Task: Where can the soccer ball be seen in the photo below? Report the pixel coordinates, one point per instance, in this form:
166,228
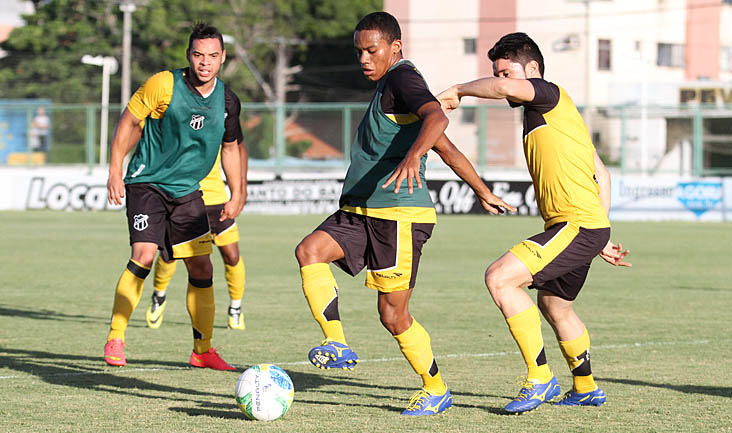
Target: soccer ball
264,392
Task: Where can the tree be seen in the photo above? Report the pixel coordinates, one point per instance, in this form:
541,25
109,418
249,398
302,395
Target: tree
43,58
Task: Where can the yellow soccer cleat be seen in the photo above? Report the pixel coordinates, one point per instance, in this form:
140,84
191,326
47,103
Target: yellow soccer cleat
236,319
154,315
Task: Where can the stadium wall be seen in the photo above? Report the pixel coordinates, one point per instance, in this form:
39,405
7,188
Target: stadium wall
634,198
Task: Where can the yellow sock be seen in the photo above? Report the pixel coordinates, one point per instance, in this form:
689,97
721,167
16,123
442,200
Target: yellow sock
201,308
235,278
526,330
321,292
415,345
577,354
126,297
163,273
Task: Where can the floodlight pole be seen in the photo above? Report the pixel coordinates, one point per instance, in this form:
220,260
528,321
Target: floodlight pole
127,8
109,66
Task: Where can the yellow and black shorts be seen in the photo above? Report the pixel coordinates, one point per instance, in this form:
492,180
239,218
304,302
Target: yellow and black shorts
224,232
390,250
179,226
560,257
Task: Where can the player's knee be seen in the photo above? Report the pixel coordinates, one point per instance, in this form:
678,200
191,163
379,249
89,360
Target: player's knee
495,283
230,259
145,258
199,269
395,321
306,253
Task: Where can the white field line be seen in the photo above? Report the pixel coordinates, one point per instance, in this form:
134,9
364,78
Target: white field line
391,359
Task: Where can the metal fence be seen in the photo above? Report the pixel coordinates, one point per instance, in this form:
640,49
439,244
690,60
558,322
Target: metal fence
683,140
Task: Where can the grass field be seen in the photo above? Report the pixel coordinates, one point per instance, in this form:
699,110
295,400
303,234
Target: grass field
660,334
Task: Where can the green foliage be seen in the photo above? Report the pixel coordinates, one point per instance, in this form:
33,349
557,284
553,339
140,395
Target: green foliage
44,56
297,148
259,138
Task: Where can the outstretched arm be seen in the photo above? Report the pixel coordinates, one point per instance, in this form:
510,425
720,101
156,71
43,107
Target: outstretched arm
125,137
513,89
463,168
434,123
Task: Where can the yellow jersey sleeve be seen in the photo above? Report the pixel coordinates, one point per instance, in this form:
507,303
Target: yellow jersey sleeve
153,97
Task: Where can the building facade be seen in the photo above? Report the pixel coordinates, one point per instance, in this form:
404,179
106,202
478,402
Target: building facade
632,66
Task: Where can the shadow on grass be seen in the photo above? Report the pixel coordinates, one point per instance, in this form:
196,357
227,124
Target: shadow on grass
90,373
232,413
352,404
36,314
721,391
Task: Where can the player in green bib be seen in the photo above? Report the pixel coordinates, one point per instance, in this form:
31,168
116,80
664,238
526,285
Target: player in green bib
383,220
179,121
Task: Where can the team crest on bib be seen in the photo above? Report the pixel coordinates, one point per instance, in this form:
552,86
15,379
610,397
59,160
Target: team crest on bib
140,222
197,122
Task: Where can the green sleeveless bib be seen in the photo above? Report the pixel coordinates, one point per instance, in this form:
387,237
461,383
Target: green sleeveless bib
179,149
379,146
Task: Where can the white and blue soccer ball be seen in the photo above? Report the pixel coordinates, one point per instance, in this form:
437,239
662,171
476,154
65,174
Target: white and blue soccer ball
264,392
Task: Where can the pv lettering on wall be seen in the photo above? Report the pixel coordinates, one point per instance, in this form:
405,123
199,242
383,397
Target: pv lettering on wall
634,198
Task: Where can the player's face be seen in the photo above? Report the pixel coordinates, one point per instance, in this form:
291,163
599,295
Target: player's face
206,57
375,54
507,68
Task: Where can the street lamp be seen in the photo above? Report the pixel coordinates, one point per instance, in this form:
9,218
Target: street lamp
109,66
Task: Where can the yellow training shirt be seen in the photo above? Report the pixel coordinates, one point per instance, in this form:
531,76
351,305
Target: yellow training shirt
560,157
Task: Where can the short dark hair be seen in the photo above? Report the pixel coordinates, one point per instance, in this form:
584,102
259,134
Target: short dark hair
205,31
517,47
383,22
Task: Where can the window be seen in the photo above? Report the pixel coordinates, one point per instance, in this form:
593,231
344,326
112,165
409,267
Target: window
470,46
467,115
670,55
603,54
725,60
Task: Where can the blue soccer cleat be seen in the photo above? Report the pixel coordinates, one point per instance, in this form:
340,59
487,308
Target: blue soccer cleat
592,398
332,354
532,394
424,403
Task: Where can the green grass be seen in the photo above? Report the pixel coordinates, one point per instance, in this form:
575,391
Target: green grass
660,334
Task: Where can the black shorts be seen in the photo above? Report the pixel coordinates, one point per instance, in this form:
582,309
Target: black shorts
224,232
390,250
179,226
559,258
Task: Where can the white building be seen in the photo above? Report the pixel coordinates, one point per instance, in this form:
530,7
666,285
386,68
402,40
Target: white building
605,53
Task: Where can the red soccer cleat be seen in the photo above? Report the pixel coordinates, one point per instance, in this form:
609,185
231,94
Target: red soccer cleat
114,353
210,359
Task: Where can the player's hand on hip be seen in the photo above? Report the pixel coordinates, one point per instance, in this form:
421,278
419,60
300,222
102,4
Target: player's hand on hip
115,190
407,169
231,210
494,204
614,254
449,99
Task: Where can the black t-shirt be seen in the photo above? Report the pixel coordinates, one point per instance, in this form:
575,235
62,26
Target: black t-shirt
405,91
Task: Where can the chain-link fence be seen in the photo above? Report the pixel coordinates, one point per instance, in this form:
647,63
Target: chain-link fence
695,140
